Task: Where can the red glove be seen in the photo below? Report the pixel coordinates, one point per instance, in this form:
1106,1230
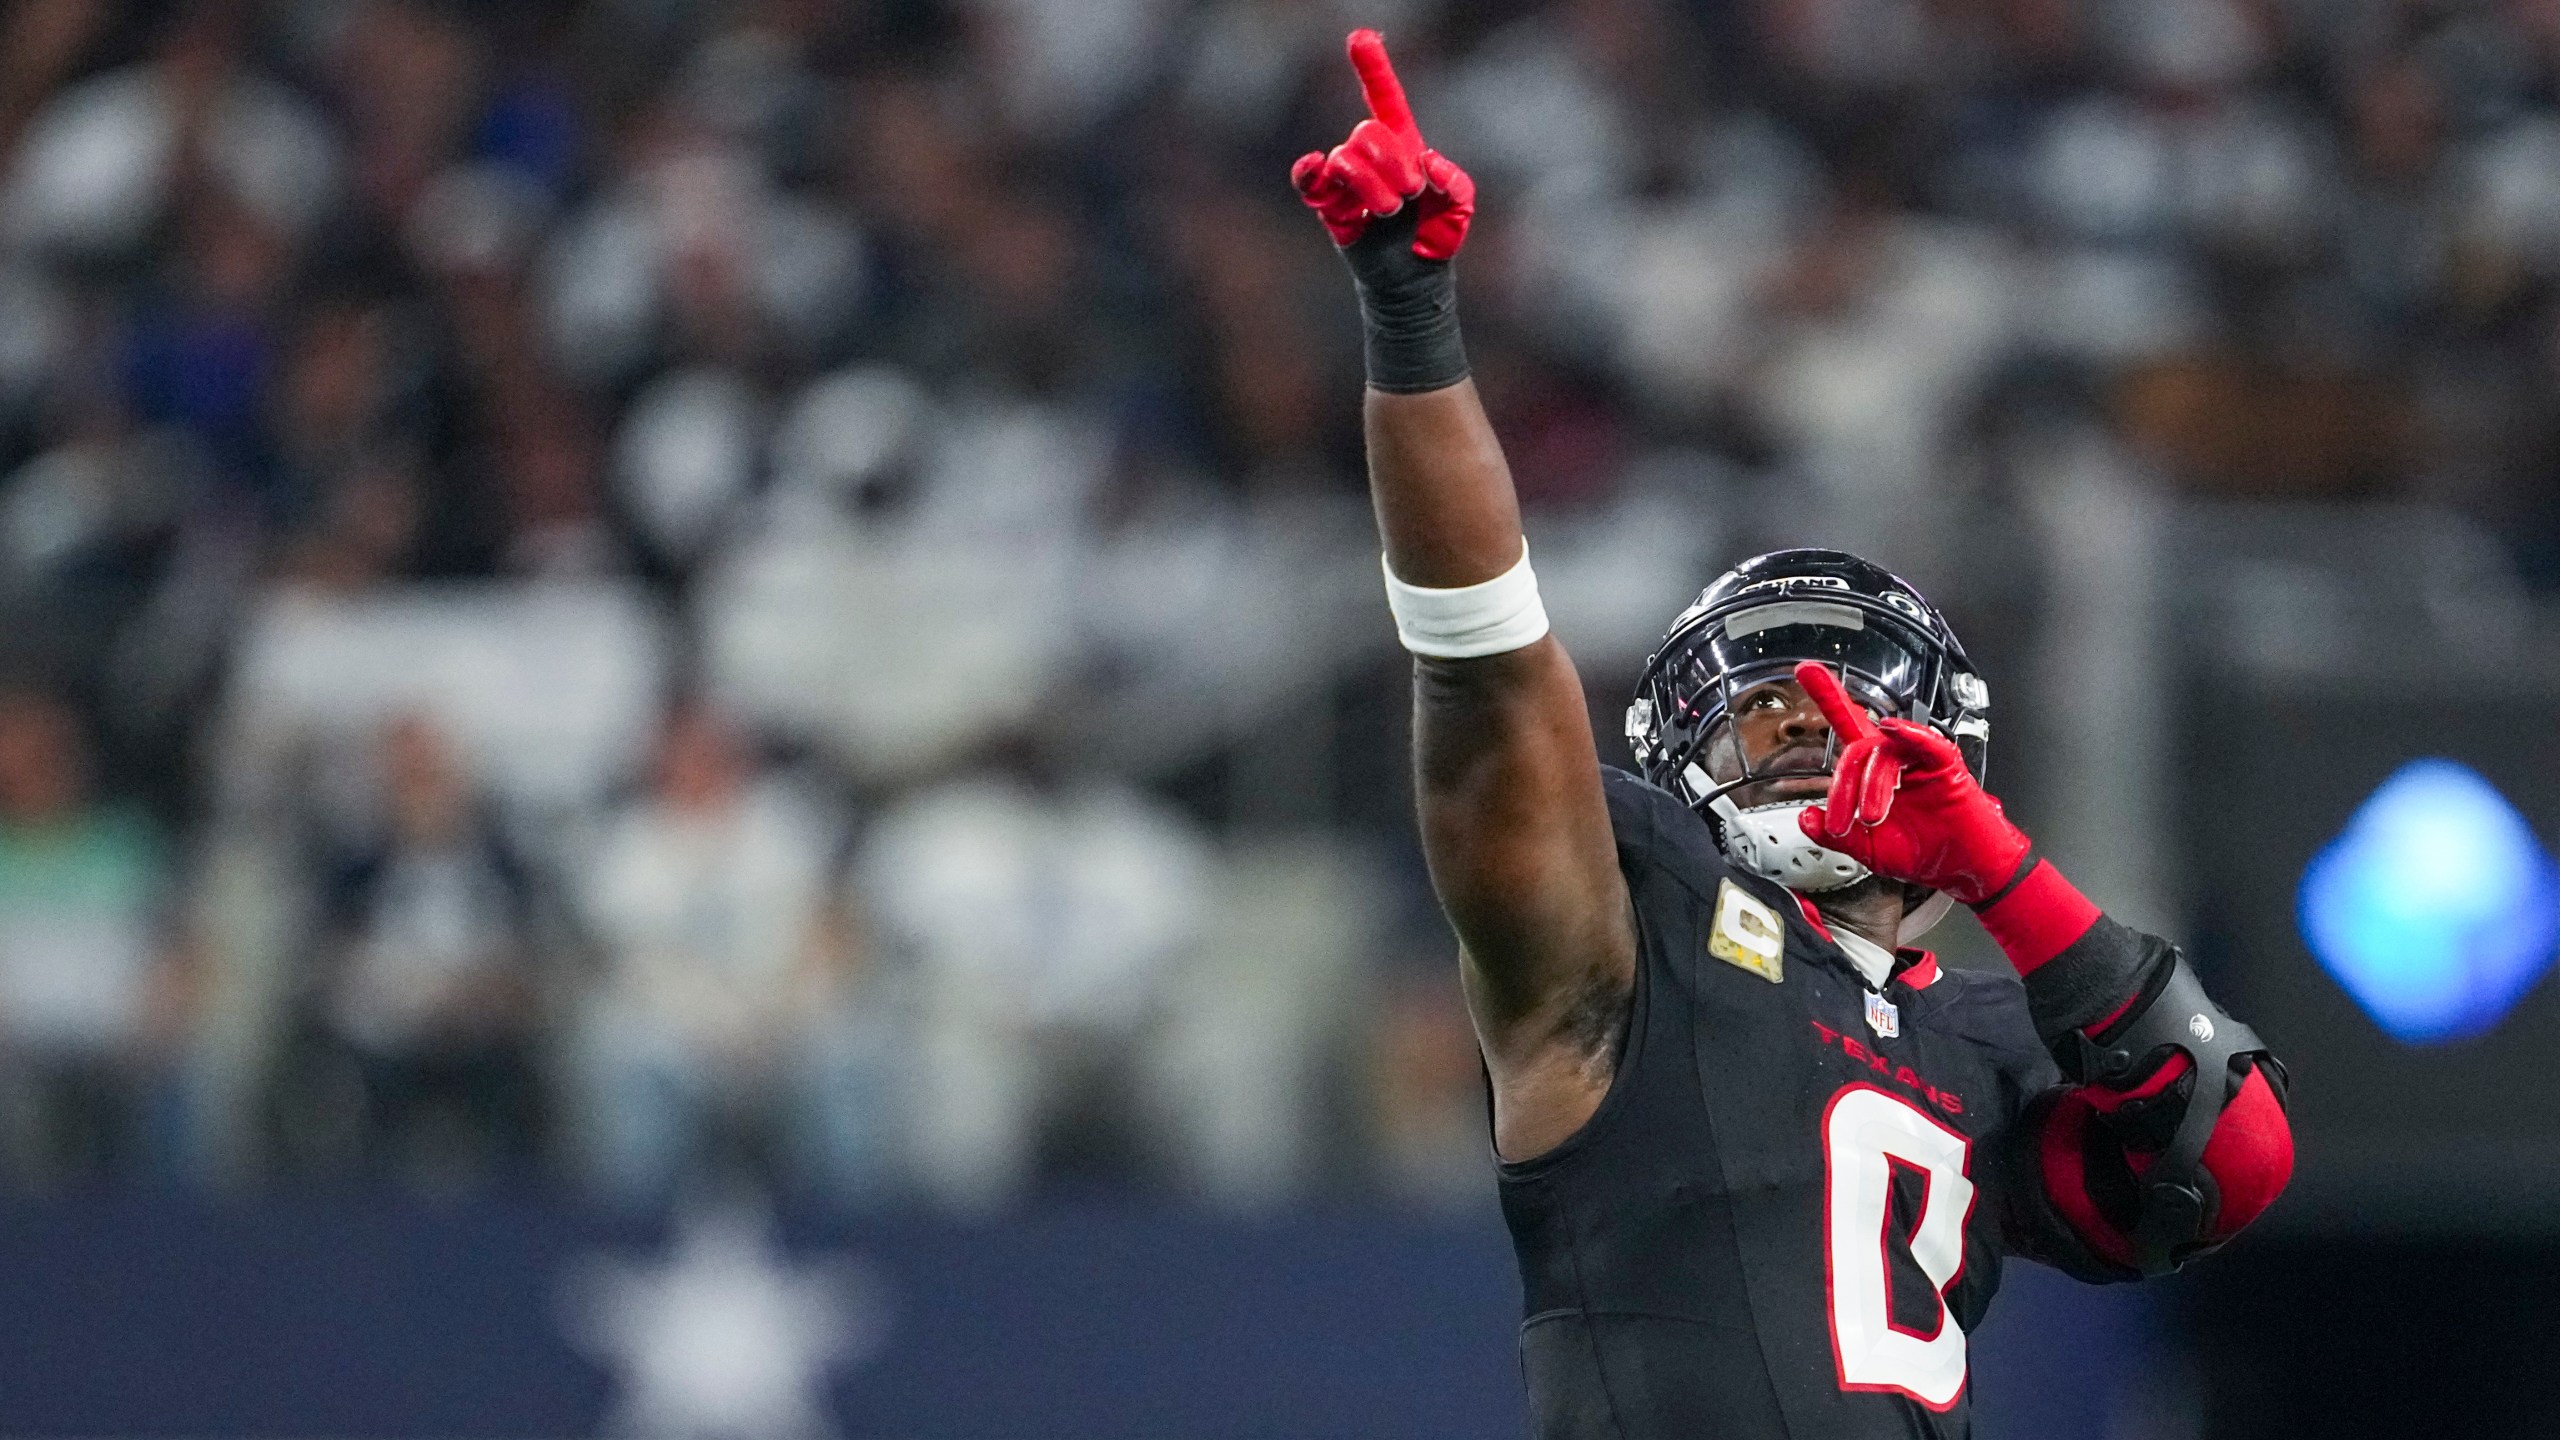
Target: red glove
1903,804
1384,164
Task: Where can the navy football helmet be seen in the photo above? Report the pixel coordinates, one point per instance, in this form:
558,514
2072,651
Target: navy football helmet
1895,652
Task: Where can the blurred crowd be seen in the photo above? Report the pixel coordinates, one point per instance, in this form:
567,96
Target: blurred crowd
613,594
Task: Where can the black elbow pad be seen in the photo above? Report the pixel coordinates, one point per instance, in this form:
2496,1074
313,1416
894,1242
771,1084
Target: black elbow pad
2174,1017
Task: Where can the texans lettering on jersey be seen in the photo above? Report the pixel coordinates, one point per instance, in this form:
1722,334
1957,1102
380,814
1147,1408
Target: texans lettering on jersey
1793,1204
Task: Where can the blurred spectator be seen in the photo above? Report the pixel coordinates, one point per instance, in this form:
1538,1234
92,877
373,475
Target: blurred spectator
198,359
103,160
693,253
1048,917
425,982
406,84
43,40
94,981
726,1025
549,496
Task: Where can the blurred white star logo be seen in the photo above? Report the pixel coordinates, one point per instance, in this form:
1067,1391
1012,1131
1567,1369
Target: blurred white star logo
725,1338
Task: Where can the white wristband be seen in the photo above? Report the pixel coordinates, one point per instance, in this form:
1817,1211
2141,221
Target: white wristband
1499,614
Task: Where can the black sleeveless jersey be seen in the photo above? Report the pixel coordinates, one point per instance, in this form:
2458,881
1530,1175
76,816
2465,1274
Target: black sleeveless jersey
1794,1201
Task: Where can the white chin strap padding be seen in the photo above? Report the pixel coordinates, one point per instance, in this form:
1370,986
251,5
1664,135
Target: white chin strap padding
1922,918
1767,841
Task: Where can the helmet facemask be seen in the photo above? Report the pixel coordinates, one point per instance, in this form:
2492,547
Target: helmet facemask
1894,655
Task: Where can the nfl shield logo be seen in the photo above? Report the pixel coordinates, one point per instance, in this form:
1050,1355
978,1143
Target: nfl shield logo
1882,1018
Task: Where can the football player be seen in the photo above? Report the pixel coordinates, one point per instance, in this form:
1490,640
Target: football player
1761,1157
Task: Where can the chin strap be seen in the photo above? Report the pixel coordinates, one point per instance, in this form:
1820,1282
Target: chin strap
2177,1197
1922,918
1768,841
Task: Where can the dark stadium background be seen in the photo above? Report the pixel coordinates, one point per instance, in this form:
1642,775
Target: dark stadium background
509,508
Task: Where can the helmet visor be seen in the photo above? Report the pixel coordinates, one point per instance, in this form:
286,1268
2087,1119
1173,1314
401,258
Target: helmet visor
1764,642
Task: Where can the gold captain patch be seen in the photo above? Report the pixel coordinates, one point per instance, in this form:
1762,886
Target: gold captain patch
1748,933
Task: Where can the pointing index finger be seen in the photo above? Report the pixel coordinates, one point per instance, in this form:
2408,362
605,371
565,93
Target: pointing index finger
1849,719
1378,83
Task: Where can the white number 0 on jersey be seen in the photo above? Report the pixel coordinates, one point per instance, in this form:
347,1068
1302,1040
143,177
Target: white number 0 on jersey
1866,1132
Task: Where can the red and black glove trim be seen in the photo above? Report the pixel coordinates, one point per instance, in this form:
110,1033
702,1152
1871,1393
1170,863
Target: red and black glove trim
1399,211
2027,864
1410,342
2108,971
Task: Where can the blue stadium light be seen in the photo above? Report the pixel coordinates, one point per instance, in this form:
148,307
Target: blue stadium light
2436,908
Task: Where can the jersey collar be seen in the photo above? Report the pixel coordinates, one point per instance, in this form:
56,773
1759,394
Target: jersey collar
1915,968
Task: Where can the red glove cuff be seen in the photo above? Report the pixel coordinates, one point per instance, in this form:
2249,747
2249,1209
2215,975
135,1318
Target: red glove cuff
2038,918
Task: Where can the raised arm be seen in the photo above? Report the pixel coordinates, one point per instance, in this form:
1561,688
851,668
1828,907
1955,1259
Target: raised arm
1513,819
